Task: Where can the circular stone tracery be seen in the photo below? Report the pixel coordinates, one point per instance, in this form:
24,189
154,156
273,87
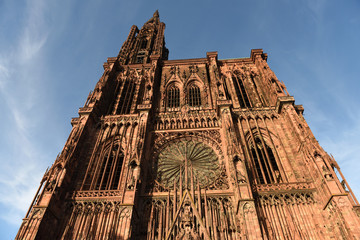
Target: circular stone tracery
186,159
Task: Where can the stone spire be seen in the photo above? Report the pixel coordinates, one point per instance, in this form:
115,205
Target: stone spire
143,43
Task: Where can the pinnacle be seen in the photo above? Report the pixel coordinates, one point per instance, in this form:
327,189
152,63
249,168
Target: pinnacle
156,13
154,18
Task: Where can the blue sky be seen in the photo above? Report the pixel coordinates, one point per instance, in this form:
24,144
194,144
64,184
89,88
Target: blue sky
51,56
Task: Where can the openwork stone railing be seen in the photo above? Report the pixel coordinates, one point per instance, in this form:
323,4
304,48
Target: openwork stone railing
184,120
283,187
96,194
256,112
85,110
117,119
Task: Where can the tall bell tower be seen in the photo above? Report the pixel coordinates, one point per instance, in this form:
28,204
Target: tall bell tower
190,149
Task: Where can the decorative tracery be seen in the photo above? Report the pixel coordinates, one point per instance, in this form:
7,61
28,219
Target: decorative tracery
185,162
188,217
144,43
296,208
241,91
125,98
106,172
266,168
173,97
194,96
97,220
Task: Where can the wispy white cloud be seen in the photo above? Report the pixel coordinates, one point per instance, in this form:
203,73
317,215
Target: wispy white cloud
335,119
4,74
17,188
18,175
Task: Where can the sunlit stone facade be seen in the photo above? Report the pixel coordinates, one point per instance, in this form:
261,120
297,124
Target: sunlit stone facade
190,149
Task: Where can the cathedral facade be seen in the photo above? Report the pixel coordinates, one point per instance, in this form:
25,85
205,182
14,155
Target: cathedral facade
190,149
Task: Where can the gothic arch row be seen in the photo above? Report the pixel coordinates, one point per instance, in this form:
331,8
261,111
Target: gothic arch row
90,220
190,122
287,198
289,216
91,206
256,116
110,130
183,84
222,223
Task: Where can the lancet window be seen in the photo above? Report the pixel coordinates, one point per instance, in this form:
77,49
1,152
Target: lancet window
110,169
173,97
194,95
226,91
139,59
126,97
266,169
241,92
105,173
143,44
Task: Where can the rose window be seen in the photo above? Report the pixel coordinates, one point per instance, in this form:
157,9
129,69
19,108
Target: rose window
187,161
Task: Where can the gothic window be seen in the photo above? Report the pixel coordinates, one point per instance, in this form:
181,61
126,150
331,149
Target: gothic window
126,97
109,169
173,97
143,44
194,96
139,59
226,91
241,92
266,168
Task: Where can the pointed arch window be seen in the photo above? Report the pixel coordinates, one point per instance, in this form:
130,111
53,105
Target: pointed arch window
144,43
126,97
173,97
109,169
139,59
226,91
104,173
266,169
241,92
194,96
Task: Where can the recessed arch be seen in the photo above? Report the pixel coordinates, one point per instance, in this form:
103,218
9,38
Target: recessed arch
265,168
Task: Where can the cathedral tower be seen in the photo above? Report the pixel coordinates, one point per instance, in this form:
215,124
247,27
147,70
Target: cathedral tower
190,149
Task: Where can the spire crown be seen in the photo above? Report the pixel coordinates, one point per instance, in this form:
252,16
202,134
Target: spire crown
156,13
154,18
144,42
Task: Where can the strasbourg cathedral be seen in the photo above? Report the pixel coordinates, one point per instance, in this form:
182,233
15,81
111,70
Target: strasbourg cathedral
190,149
